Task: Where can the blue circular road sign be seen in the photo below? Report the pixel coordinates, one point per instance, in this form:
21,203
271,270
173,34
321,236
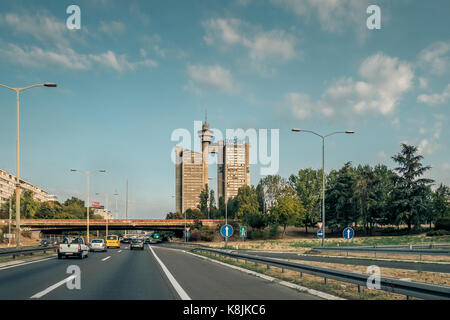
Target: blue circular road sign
320,234
348,233
226,231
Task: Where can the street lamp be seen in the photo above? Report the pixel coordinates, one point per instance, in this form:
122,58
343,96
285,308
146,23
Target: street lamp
323,170
106,207
117,210
87,173
18,90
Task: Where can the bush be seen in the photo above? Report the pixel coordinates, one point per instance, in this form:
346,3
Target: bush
207,234
26,234
437,233
274,232
442,224
255,234
195,235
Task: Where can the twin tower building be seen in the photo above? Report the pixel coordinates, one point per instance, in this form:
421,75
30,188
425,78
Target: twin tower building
192,169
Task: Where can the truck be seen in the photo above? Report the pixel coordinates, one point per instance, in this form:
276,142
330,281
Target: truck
73,247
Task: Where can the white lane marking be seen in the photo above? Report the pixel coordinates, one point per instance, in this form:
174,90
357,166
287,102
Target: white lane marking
53,287
104,259
183,295
119,251
25,263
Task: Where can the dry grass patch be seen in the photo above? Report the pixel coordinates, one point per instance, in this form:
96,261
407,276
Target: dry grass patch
337,288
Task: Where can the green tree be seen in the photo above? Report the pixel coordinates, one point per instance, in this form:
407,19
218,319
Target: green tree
49,210
212,205
270,187
288,208
247,208
174,215
339,201
411,194
441,202
203,205
308,184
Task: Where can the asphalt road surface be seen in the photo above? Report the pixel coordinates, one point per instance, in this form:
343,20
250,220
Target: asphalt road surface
123,274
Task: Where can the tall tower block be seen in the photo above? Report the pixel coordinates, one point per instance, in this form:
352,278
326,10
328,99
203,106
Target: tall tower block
206,137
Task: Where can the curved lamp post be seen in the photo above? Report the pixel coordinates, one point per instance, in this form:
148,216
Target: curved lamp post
18,91
87,195
323,169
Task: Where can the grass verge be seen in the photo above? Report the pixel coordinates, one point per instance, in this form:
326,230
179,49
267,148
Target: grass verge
337,288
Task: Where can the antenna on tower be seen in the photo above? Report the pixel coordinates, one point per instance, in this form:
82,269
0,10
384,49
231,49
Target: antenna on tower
206,116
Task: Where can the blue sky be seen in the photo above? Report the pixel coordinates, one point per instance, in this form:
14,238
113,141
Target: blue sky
138,70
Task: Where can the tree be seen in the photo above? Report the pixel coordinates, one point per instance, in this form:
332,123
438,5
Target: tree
28,206
340,208
441,201
308,185
50,210
212,205
174,215
203,205
247,207
411,198
270,187
194,214
288,208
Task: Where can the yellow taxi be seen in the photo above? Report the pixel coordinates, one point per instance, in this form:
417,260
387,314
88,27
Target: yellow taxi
112,241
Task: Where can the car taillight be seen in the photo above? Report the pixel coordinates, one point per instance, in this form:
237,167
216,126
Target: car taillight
79,247
59,246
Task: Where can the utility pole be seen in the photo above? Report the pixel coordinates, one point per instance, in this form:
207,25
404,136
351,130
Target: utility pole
18,90
323,170
9,222
126,208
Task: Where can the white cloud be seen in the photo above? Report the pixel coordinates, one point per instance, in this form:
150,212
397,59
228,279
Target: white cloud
423,83
211,77
382,156
431,144
274,46
332,15
435,98
42,26
436,58
112,28
383,81
69,59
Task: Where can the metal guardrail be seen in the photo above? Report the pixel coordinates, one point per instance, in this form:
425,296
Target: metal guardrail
408,288
420,252
406,246
25,251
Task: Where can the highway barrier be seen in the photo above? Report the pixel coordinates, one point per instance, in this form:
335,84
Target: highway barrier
407,288
25,251
387,250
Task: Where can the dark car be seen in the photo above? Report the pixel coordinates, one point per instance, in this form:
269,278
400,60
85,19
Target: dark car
147,240
137,244
125,240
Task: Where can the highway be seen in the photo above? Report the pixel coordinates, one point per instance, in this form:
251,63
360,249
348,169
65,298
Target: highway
157,273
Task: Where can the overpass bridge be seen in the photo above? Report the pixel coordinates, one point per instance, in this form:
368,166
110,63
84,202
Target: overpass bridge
56,226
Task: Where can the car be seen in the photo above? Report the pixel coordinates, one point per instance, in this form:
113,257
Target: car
147,240
125,240
71,247
44,243
97,245
112,241
137,244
